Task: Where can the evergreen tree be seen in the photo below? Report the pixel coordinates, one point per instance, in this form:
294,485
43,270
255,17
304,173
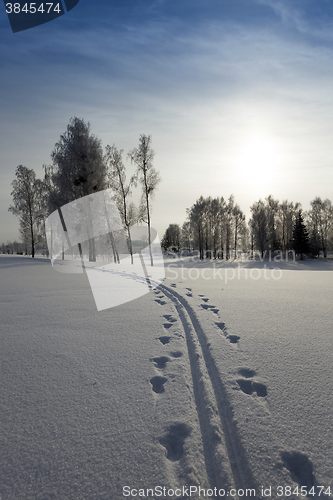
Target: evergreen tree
78,166
300,236
78,170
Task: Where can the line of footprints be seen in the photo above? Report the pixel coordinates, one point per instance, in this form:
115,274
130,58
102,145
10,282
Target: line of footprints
176,433
247,384
233,339
173,439
160,362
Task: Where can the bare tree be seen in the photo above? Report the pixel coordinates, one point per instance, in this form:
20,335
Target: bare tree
187,235
143,157
215,213
217,226
117,181
196,216
239,225
228,224
272,210
321,222
27,205
286,219
259,225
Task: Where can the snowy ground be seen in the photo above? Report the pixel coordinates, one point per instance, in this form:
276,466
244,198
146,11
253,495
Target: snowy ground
221,378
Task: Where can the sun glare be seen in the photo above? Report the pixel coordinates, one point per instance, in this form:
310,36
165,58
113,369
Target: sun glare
258,161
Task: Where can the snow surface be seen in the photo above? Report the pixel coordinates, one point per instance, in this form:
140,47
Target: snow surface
206,381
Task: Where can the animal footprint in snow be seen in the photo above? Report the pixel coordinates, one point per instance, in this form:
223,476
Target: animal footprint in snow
161,302
300,468
176,354
245,385
247,372
232,338
164,340
169,318
205,300
174,440
161,361
260,389
209,307
222,327
249,386
158,384
173,285
167,325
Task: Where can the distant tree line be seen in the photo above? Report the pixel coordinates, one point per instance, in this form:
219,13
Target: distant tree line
79,168
216,228
14,247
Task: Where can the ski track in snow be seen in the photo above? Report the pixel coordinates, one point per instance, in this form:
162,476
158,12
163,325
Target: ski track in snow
225,458
226,465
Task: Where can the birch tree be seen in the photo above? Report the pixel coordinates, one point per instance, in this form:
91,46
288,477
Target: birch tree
259,225
27,204
143,157
239,226
117,181
321,222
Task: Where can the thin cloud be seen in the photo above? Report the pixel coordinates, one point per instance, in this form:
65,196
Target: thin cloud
198,87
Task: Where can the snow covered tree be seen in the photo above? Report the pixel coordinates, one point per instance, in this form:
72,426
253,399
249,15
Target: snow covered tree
272,211
259,225
239,226
287,214
28,205
78,169
196,216
215,217
78,164
143,157
117,181
221,221
172,237
187,236
320,219
300,236
217,226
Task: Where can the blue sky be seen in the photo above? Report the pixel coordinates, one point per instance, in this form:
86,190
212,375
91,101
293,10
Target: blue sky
236,94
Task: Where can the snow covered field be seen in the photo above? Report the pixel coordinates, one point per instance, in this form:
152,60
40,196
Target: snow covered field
219,379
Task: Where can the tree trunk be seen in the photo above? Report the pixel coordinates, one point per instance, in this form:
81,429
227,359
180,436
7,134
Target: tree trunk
130,243
148,222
